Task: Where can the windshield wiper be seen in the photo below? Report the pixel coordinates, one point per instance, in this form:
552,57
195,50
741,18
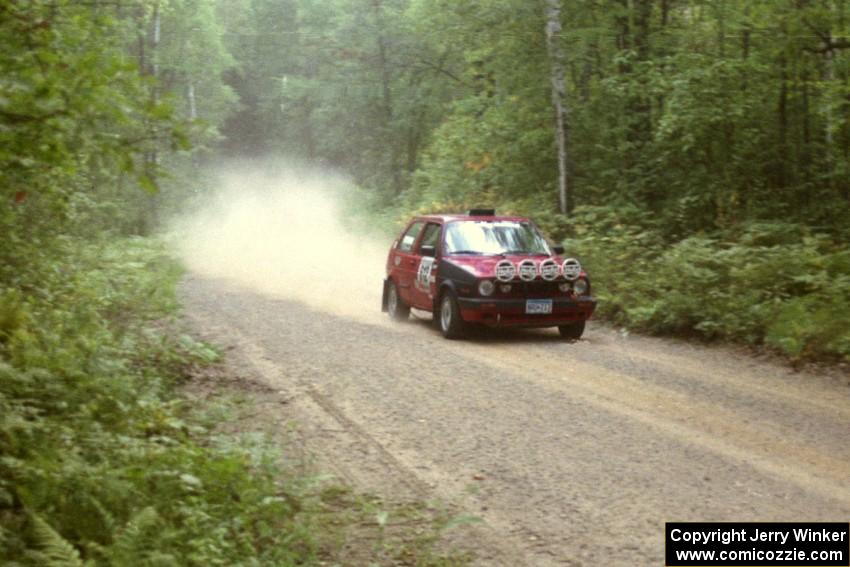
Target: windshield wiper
476,252
523,253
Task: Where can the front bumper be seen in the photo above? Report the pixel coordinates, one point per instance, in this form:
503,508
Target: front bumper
511,312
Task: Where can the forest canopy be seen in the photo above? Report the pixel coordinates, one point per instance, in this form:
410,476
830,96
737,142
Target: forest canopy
707,114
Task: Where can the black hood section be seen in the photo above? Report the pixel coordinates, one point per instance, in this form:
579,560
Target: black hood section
449,271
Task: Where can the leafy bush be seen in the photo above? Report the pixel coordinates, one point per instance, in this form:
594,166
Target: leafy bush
776,284
99,463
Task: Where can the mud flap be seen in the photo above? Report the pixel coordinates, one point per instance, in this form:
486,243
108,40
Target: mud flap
384,296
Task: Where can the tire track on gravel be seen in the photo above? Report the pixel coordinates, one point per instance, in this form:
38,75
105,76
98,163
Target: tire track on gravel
773,449
379,472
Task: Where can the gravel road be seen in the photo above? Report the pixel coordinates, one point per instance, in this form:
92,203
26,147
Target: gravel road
573,454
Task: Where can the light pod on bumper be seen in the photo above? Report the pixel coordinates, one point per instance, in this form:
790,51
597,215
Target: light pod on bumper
571,269
549,269
505,271
527,270
486,288
581,286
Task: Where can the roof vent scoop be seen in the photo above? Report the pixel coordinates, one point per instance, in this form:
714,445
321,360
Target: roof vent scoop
481,212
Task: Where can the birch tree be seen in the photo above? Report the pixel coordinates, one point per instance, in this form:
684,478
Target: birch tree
556,77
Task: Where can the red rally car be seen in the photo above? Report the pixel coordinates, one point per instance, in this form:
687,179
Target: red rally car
480,268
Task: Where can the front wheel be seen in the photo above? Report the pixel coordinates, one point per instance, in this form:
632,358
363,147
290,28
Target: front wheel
451,323
396,308
572,331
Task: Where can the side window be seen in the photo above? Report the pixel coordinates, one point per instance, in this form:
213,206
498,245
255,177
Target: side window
431,235
409,237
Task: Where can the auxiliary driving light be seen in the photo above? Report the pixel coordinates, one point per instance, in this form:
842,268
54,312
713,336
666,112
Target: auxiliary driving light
580,286
571,269
486,287
549,269
527,270
505,271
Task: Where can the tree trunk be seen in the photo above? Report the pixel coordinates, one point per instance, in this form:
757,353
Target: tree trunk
556,76
152,157
829,79
641,105
386,95
156,28
190,94
782,115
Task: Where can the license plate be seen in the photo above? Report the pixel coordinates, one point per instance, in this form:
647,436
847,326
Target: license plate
538,306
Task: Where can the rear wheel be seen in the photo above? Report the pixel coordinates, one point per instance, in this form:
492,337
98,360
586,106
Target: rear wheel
572,331
451,323
396,308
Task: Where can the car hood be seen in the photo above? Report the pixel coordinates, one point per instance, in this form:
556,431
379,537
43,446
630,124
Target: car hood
485,266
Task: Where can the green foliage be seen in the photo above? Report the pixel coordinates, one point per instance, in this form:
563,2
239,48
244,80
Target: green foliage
775,284
75,114
101,462
93,441
54,550
708,152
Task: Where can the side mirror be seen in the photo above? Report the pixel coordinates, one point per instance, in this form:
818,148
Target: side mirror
426,250
558,249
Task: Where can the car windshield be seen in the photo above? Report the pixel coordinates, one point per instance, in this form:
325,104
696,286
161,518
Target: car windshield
494,237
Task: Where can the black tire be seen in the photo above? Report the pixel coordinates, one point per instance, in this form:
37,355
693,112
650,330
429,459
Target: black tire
448,317
396,308
572,332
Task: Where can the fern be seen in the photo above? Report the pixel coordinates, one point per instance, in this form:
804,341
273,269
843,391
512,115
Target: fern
107,520
136,545
134,537
54,550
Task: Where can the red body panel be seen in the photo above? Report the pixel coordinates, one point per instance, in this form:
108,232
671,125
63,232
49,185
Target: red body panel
494,314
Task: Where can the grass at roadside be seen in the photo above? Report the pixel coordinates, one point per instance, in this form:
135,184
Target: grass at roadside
103,462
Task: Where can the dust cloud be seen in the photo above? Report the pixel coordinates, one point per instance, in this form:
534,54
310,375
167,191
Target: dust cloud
280,232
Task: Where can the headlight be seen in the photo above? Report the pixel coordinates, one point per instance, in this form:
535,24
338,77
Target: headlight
580,286
564,287
486,287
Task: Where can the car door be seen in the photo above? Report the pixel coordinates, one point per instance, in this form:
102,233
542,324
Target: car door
424,282
405,261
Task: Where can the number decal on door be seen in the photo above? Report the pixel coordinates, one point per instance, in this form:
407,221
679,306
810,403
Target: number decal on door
423,274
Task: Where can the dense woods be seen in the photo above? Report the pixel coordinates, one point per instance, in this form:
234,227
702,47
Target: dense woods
694,154
700,149
707,114
100,462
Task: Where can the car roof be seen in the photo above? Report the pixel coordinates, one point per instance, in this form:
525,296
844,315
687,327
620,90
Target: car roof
461,217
